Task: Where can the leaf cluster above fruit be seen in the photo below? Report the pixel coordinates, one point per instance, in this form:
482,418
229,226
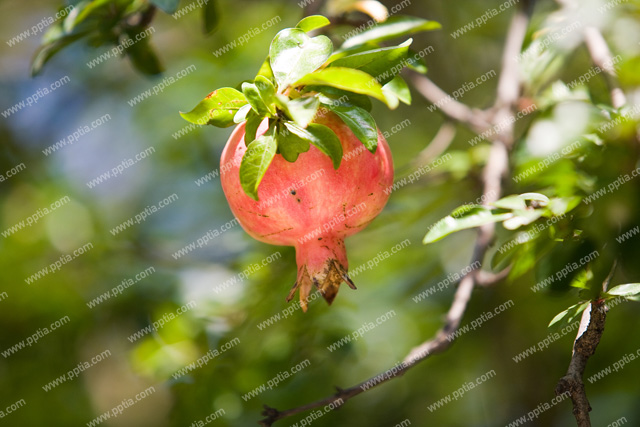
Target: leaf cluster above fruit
119,23
302,77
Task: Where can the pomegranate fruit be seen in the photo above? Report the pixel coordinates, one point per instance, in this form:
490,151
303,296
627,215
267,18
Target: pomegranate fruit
310,205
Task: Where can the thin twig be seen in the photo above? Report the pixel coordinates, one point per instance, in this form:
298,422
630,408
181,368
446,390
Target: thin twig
603,59
495,169
437,146
475,119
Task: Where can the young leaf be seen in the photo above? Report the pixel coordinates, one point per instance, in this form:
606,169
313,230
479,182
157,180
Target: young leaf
218,108
294,54
313,22
241,115
511,202
323,138
567,316
398,88
473,216
302,110
630,290
290,145
522,217
265,69
211,17
346,79
361,124
255,163
252,94
383,63
393,27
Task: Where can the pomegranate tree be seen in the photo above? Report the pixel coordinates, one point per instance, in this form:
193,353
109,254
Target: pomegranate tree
306,165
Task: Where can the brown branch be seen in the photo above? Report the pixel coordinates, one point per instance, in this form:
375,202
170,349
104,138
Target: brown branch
438,145
588,337
603,59
585,346
475,119
496,168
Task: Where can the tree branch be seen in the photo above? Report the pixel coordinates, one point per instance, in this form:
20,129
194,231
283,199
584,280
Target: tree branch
475,119
496,168
603,59
585,346
587,339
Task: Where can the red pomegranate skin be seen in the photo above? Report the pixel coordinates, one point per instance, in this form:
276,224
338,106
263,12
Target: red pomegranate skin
310,205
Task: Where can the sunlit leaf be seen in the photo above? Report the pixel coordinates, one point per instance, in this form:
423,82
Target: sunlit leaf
294,54
567,316
346,79
395,26
472,216
399,89
383,63
313,22
218,108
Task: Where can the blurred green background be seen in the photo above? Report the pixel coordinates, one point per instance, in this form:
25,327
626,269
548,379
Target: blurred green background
218,318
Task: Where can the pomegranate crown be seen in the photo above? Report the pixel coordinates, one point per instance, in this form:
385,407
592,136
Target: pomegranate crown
304,77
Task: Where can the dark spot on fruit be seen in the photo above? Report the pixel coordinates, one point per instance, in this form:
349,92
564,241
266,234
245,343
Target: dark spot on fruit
298,200
293,192
319,238
371,194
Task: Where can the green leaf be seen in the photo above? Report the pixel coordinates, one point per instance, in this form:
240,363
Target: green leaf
313,22
629,290
252,94
167,6
323,138
560,206
143,57
267,92
581,280
211,17
417,63
383,63
511,202
333,96
361,124
255,163
47,51
241,115
396,26
522,217
519,201
265,69
541,198
291,145
218,108
251,127
398,89
469,217
294,54
567,316
346,79
302,110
